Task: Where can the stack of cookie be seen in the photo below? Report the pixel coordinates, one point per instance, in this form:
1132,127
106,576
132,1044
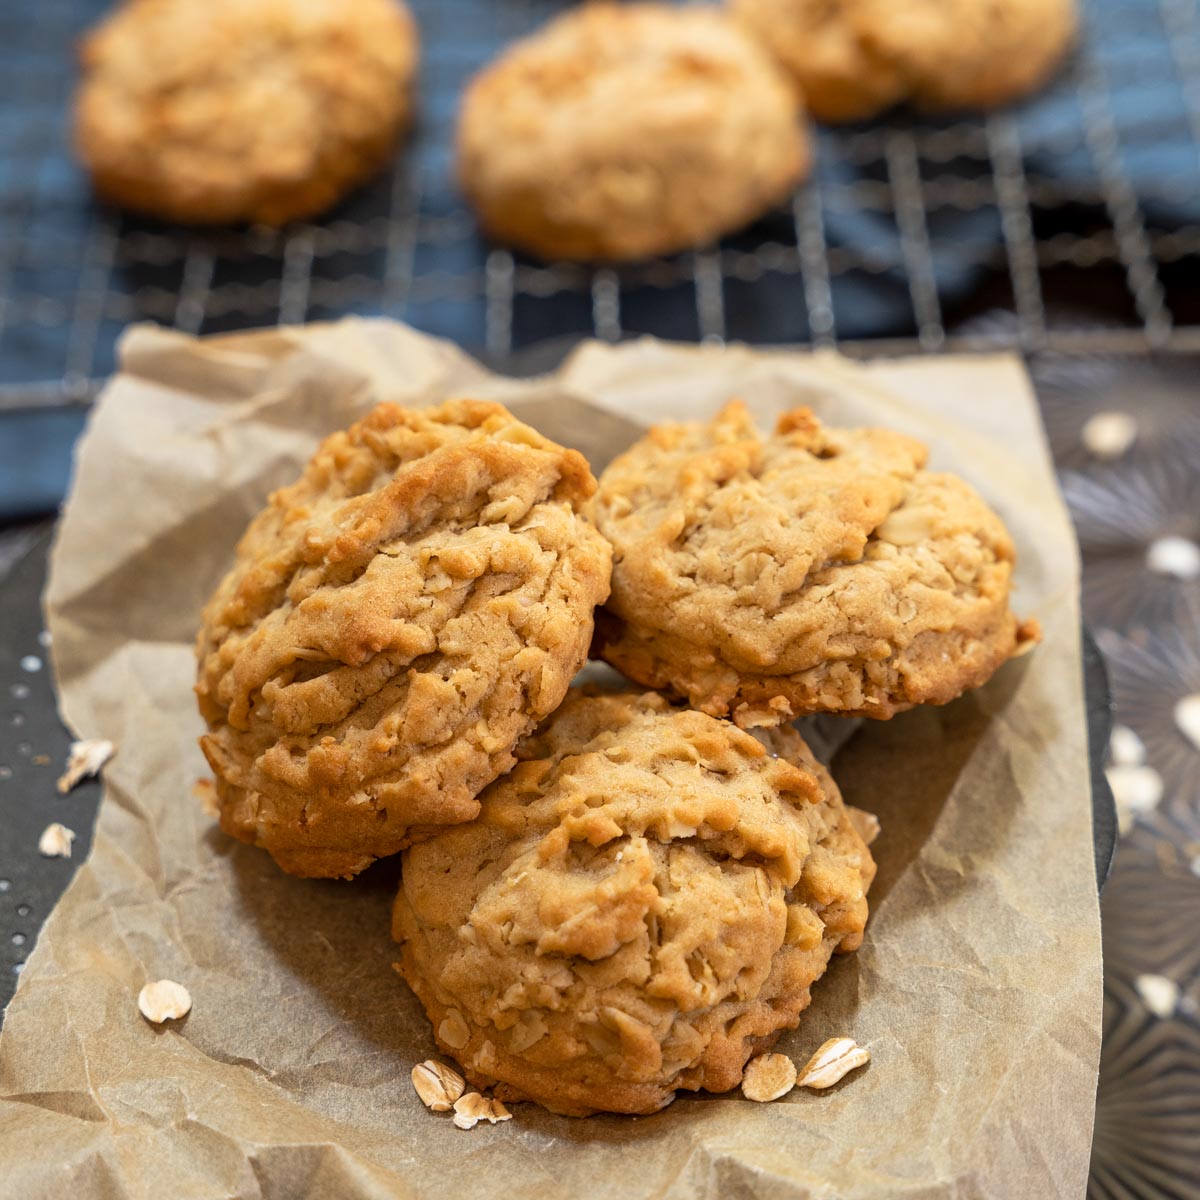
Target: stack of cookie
607,896
618,131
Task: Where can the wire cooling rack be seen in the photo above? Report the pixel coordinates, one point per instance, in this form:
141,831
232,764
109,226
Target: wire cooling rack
1085,198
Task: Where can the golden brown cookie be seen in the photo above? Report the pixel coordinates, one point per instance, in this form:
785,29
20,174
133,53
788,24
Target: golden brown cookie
643,904
621,131
852,59
818,570
395,621
242,110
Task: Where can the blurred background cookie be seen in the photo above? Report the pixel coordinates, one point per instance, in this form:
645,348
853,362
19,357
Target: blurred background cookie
853,58
620,132
644,903
818,570
242,110
395,621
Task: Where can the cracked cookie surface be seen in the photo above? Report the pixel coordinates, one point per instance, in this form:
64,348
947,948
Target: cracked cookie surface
643,905
621,131
227,111
851,59
394,622
817,570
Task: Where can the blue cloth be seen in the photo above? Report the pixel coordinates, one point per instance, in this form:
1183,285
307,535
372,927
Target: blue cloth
72,275
35,459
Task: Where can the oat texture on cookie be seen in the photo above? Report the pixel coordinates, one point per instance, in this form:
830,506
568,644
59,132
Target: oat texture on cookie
642,906
621,131
851,59
393,623
229,111
815,570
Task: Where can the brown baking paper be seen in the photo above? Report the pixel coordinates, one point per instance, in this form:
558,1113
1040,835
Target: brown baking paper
977,988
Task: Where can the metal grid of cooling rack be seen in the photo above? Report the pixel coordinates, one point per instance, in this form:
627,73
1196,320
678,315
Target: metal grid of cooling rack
1083,201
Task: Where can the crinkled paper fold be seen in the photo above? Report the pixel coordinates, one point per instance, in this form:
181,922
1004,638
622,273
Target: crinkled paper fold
977,988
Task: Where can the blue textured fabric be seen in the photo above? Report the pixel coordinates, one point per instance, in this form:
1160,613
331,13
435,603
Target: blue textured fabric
72,275
35,459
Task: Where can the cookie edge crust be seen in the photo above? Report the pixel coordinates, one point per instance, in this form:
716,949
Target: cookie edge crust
684,671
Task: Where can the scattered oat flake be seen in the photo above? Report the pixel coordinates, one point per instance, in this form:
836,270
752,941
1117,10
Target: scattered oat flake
1136,790
1159,994
1125,748
164,1000
472,1108
835,1059
40,760
1176,556
1108,435
84,760
55,841
1187,717
438,1085
768,1077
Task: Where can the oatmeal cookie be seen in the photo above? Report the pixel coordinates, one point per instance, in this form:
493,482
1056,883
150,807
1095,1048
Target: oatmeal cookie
643,905
394,622
818,570
851,59
242,110
621,131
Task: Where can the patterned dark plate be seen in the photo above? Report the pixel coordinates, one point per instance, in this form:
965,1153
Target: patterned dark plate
1147,622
